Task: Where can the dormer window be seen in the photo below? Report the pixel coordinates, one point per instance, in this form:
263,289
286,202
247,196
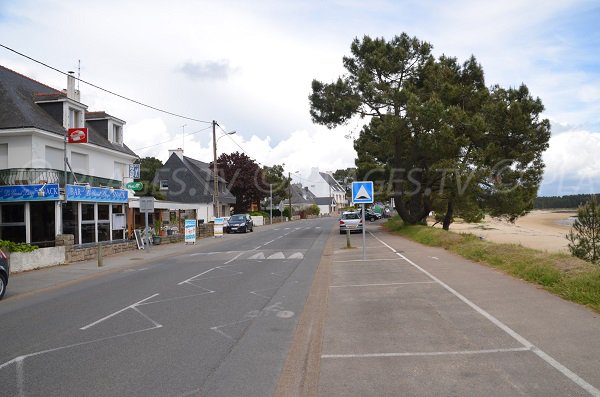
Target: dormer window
75,119
117,134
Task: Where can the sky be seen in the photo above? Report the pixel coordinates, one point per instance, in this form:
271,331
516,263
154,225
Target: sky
249,66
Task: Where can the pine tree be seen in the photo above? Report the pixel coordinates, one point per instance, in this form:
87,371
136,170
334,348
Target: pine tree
584,237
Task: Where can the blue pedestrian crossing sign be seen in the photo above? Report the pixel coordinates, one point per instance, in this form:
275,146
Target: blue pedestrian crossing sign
362,192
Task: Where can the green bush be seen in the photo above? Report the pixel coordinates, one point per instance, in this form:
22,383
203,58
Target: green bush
259,213
9,246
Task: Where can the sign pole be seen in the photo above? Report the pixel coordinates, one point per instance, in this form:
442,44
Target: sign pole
146,230
364,233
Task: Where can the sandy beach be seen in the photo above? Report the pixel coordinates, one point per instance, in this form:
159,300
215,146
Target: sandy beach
541,229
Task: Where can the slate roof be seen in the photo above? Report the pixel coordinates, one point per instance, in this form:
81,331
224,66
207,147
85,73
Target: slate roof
301,195
18,96
324,200
191,181
332,182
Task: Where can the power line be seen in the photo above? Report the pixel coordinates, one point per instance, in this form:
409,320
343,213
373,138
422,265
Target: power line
241,148
104,89
171,140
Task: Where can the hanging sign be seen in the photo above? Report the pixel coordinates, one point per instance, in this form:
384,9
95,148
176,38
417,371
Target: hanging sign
77,135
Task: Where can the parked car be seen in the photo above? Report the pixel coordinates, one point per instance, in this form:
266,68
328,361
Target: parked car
4,272
371,215
351,221
239,223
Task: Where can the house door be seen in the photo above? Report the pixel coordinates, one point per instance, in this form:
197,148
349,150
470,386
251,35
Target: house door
42,215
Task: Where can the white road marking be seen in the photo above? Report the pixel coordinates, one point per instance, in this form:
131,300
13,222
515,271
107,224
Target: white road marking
435,257
260,255
117,312
296,255
197,275
277,255
368,260
22,358
381,285
234,258
541,354
261,290
269,242
417,354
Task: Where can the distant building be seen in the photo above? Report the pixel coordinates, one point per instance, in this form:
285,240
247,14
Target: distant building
37,201
302,198
185,180
327,190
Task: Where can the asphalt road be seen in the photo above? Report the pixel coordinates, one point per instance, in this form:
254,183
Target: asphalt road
215,321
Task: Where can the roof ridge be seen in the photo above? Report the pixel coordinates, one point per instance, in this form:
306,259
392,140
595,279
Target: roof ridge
29,78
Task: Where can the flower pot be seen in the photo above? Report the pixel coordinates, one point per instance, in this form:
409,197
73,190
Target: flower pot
156,240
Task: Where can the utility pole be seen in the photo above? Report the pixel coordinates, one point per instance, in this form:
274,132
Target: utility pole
290,193
215,174
271,202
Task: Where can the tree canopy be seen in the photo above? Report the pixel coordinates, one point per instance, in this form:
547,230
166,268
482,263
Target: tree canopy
435,136
244,178
148,168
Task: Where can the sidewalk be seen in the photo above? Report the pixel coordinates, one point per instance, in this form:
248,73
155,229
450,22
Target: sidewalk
419,321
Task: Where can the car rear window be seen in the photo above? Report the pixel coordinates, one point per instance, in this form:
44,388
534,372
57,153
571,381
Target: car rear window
352,215
237,218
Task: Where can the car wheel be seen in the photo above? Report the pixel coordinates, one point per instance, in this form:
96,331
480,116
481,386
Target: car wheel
2,285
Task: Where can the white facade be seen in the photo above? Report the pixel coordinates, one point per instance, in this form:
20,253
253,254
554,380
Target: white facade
321,188
33,148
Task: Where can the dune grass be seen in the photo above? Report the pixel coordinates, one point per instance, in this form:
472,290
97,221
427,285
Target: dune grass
566,276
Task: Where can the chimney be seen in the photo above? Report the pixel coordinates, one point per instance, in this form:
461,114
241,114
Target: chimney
178,152
71,86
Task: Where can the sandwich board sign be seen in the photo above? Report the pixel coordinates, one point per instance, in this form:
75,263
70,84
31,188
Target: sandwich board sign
362,192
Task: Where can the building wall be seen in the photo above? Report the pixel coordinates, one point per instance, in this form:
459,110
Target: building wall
19,149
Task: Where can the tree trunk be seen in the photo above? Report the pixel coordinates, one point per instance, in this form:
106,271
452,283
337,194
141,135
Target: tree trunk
449,215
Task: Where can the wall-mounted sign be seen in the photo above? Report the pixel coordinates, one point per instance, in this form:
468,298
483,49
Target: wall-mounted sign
147,204
134,171
43,192
135,186
96,194
77,135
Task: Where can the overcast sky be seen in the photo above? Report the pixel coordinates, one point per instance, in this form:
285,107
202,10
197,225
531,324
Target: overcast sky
249,65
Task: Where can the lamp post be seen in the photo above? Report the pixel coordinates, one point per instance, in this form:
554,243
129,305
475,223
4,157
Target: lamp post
217,209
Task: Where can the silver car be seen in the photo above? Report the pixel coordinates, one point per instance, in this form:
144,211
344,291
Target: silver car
351,221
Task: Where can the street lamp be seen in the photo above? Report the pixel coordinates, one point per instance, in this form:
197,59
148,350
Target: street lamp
216,204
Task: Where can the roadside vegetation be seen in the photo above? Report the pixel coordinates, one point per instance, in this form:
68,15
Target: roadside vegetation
566,276
9,246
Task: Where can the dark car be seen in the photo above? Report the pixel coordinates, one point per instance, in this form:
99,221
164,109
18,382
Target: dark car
239,223
4,273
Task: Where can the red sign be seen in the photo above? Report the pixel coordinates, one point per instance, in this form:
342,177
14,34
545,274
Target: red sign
78,135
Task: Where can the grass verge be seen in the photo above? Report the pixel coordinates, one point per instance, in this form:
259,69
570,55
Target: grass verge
566,276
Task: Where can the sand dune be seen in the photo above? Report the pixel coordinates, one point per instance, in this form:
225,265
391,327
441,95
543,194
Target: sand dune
542,229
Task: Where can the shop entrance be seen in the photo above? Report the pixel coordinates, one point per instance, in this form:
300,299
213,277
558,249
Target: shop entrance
42,215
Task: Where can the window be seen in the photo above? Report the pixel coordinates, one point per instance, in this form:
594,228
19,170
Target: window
88,223
103,222
54,158
3,155
119,172
117,134
164,184
75,119
12,222
80,162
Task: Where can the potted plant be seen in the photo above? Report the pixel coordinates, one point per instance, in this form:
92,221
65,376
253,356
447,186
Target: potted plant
156,236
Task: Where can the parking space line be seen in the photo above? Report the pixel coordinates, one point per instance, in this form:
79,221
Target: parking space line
368,260
541,354
421,354
382,285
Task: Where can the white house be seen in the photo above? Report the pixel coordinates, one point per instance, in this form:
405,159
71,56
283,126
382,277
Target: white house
327,190
39,196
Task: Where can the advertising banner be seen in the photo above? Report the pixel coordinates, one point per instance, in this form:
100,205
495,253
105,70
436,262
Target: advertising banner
190,231
43,192
96,194
219,227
